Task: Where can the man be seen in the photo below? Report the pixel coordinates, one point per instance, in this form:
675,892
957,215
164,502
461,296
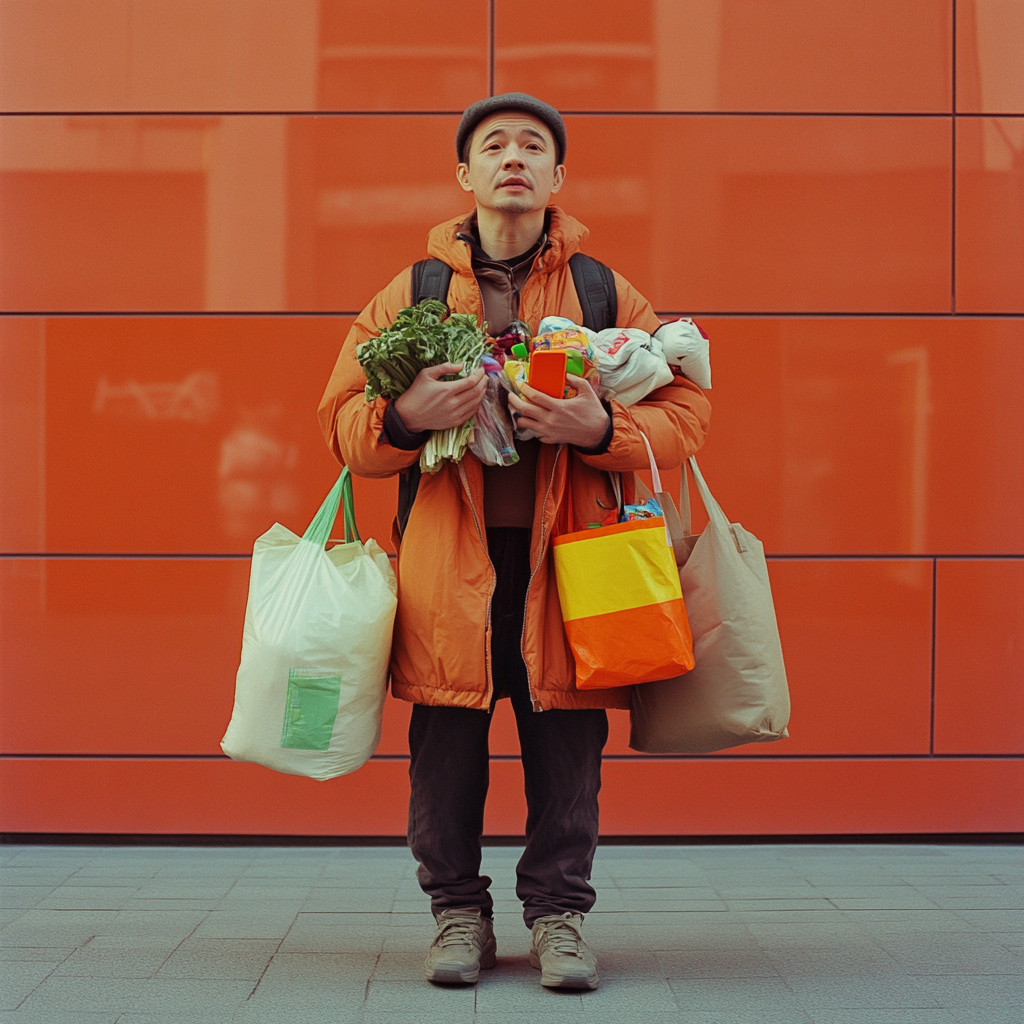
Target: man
478,614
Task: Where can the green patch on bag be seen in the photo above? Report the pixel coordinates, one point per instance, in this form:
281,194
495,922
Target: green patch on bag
310,709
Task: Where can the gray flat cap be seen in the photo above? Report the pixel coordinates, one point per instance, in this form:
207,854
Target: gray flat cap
510,101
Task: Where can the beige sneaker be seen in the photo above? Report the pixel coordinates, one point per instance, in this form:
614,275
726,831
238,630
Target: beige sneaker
464,944
558,950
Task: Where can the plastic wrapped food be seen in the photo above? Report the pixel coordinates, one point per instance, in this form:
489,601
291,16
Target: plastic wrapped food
493,442
650,509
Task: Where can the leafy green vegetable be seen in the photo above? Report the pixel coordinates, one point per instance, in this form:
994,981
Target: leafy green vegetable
424,335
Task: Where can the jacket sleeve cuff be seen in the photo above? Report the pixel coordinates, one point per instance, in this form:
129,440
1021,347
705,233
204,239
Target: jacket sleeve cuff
396,434
605,442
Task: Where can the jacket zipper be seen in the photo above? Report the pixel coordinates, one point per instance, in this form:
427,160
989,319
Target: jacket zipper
533,572
490,595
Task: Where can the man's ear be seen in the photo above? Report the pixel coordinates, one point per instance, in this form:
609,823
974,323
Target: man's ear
559,179
462,176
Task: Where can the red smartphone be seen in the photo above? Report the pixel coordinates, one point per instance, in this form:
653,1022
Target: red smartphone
547,372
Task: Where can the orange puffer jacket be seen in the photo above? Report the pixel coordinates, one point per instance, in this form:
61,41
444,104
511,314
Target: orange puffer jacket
441,651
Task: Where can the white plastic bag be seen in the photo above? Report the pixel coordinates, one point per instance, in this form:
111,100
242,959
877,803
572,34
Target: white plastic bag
630,370
310,690
684,346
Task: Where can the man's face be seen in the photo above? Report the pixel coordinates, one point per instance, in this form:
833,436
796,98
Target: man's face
512,164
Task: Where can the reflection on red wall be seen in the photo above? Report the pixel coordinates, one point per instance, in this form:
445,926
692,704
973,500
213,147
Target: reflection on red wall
195,202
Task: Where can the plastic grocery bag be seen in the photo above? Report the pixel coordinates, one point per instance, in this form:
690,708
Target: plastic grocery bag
630,370
310,690
493,441
686,350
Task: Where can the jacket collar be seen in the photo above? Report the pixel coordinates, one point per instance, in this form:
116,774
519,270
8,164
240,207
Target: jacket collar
565,236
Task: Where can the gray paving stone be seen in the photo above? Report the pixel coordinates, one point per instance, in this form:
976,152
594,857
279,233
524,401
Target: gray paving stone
192,995
834,961
952,954
1011,921
84,995
105,962
56,927
49,954
20,897
61,1016
737,999
169,926
70,897
242,924
889,991
345,900
163,905
874,1015
769,904
716,963
163,889
975,991
18,978
136,941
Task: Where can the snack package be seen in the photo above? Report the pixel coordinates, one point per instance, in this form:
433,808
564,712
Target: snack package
650,509
517,372
493,442
558,332
686,349
629,369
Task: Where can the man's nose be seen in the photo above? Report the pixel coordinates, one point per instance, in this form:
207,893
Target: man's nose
513,158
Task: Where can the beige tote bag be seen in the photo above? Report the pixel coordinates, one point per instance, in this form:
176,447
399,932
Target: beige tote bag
737,691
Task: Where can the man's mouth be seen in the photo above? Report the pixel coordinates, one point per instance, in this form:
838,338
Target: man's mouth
521,182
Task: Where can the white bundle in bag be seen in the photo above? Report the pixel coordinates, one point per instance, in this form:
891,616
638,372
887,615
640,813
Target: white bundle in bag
310,689
629,369
683,345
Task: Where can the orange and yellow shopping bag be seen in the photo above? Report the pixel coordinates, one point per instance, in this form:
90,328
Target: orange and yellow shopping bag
622,604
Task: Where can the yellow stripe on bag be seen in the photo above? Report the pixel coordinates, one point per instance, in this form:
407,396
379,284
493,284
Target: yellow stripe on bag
615,569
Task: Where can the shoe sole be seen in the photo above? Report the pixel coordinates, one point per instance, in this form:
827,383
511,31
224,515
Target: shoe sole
548,980
465,976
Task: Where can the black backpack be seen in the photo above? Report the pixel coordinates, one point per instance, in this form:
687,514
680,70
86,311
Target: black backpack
595,289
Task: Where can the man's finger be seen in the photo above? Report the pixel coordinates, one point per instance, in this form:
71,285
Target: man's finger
441,369
535,397
469,383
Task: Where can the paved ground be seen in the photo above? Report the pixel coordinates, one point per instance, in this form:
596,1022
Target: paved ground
710,934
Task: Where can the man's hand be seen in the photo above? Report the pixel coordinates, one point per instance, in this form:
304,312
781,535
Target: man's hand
581,421
435,404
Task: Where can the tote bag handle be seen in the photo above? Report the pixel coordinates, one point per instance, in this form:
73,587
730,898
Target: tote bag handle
319,530
714,510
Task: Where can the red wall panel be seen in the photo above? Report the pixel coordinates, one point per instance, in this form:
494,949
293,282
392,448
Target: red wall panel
717,797
856,635
848,55
185,435
830,436
979,657
133,656
869,436
180,55
709,213
989,57
989,215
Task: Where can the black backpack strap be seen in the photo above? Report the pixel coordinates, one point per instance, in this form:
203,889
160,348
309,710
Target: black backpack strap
430,280
595,288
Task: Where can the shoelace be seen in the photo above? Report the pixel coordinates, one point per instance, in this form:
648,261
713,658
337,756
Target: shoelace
564,938
457,931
